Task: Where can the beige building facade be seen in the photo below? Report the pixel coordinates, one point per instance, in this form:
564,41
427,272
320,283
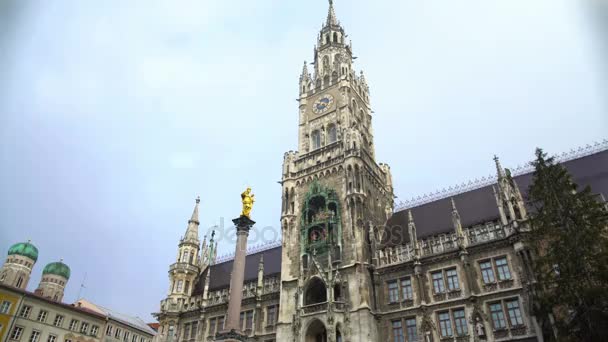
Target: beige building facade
450,266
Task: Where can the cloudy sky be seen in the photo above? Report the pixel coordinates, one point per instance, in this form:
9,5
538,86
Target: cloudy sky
115,115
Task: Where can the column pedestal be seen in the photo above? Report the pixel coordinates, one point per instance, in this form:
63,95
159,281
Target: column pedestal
232,330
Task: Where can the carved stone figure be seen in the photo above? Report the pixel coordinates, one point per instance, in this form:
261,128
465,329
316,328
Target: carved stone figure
480,329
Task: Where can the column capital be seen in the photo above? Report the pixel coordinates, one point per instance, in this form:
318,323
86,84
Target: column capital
243,223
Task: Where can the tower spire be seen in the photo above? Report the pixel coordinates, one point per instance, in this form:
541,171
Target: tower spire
500,172
331,14
192,231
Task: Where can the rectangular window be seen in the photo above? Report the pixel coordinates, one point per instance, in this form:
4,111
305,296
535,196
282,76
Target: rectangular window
117,333
514,313
393,292
73,324
487,272
452,277
42,316
194,330
498,316
51,338
67,340
249,320
94,330
460,322
502,268
445,324
25,311
397,331
220,323
180,285
271,315
58,322
438,284
134,338
16,334
125,337
84,328
186,331
212,326
109,330
410,326
242,319
6,305
406,288
35,336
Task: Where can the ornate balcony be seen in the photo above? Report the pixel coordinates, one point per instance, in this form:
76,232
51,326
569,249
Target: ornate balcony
313,308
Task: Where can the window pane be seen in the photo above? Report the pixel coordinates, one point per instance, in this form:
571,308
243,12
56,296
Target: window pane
502,268
410,325
393,292
397,332
445,324
406,288
249,320
498,317
514,313
460,322
438,285
487,272
452,276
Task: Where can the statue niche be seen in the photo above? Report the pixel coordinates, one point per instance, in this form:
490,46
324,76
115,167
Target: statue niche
320,220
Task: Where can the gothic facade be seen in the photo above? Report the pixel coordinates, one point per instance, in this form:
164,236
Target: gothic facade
351,267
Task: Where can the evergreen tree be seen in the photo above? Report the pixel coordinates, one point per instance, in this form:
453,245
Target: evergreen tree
570,238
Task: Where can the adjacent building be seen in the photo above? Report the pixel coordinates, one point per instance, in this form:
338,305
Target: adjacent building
41,316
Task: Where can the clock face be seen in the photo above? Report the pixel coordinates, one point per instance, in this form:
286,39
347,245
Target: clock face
322,104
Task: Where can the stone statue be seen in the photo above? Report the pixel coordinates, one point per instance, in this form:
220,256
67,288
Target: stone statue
247,198
480,330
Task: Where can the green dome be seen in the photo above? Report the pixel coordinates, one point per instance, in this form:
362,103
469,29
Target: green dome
25,249
57,268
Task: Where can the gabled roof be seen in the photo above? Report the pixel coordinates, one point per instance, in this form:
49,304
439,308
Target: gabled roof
134,322
479,206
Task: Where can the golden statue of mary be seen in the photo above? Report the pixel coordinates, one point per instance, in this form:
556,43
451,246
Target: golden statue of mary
247,198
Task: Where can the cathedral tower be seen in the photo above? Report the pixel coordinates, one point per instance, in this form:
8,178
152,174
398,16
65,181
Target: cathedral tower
55,276
17,269
334,195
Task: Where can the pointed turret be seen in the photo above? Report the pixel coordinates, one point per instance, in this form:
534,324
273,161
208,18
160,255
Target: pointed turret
499,170
331,15
457,225
193,223
411,228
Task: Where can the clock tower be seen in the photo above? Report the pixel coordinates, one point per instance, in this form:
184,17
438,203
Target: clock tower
334,199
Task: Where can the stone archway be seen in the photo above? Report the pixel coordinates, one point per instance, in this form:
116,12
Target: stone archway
316,332
315,292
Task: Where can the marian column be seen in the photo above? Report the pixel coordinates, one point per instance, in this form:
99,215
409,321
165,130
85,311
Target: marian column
232,331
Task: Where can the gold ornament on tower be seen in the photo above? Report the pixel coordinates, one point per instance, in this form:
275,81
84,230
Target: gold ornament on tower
248,199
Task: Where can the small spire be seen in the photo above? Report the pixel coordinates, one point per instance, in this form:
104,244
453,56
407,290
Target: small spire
194,218
499,170
331,15
453,204
410,217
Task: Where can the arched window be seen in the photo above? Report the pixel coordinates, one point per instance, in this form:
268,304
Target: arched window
180,285
316,140
2,277
337,292
191,257
186,255
332,134
335,37
19,282
316,292
327,38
